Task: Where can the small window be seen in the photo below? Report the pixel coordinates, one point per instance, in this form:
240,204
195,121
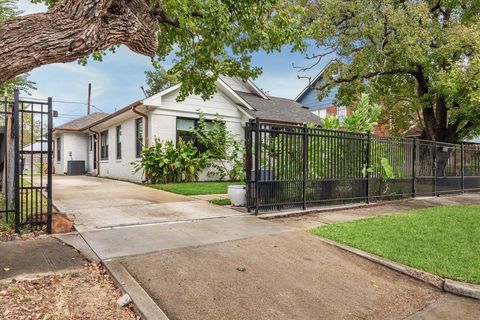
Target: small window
59,149
91,143
184,129
119,141
104,145
341,113
138,137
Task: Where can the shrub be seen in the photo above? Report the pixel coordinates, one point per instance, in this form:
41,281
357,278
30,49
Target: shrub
223,150
165,163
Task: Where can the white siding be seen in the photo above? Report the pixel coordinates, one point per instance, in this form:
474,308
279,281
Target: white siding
164,117
121,168
73,147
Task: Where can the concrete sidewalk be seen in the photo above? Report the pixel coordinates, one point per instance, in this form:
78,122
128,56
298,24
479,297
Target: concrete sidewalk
28,259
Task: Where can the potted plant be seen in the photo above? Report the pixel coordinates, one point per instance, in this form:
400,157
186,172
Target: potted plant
237,195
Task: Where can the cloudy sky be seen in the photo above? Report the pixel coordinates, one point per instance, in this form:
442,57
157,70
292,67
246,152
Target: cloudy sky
117,80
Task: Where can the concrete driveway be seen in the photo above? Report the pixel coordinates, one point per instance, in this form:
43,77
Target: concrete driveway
97,203
196,260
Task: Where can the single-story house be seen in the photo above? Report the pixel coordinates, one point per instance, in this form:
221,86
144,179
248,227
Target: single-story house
109,143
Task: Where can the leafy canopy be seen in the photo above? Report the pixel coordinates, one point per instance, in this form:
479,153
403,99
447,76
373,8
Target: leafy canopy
211,37
421,59
158,79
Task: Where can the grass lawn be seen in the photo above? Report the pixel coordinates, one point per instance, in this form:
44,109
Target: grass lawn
221,202
196,188
442,240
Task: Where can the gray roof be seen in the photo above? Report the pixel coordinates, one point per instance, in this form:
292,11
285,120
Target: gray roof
37,146
83,122
278,109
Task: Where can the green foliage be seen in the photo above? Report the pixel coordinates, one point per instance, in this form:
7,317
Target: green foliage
420,59
220,202
167,163
212,38
158,80
363,118
223,148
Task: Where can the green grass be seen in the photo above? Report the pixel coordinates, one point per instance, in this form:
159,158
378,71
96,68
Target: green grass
196,188
221,202
442,240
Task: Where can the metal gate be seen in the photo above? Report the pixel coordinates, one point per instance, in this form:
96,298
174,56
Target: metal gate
26,163
297,166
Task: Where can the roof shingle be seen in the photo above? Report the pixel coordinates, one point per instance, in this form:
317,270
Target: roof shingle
278,109
83,122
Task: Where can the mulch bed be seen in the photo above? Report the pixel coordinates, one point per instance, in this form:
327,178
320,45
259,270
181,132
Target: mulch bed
86,294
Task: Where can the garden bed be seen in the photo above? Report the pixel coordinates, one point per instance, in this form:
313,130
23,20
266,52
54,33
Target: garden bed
197,188
442,240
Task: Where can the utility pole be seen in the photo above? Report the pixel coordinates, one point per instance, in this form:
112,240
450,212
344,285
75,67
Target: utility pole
89,97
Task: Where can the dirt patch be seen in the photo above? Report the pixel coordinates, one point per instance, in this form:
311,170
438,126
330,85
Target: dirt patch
86,294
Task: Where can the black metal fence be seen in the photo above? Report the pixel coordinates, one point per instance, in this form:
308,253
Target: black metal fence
26,163
292,166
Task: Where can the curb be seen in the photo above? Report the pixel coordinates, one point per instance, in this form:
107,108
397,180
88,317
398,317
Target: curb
451,286
142,302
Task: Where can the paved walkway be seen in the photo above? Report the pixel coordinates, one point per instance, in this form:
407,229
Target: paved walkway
27,259
323,217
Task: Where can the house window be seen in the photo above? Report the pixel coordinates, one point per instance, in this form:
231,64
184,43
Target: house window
59,149
184,131
138,137
119,141
341,113
104,145
91,143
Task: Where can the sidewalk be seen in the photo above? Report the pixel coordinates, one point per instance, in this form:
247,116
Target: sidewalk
29,259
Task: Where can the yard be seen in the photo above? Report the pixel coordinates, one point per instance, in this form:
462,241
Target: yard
441,240
197,188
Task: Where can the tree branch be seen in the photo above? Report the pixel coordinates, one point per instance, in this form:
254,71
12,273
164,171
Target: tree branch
73,29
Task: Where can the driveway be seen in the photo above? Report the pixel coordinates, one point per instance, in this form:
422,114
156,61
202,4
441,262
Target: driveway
200,261
97,203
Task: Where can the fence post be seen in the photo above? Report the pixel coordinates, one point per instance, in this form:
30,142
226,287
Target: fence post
368,160
16,165
414,166
435,168
49,166
305,166
248,161
257,162
462,166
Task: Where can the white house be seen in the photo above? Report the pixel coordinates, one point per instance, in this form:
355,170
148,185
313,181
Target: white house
107,144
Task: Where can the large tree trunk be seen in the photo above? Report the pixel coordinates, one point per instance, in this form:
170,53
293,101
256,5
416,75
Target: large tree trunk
74,29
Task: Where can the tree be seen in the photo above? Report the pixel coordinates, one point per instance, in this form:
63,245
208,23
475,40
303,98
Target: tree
421,59
158,79
8,10
207,37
